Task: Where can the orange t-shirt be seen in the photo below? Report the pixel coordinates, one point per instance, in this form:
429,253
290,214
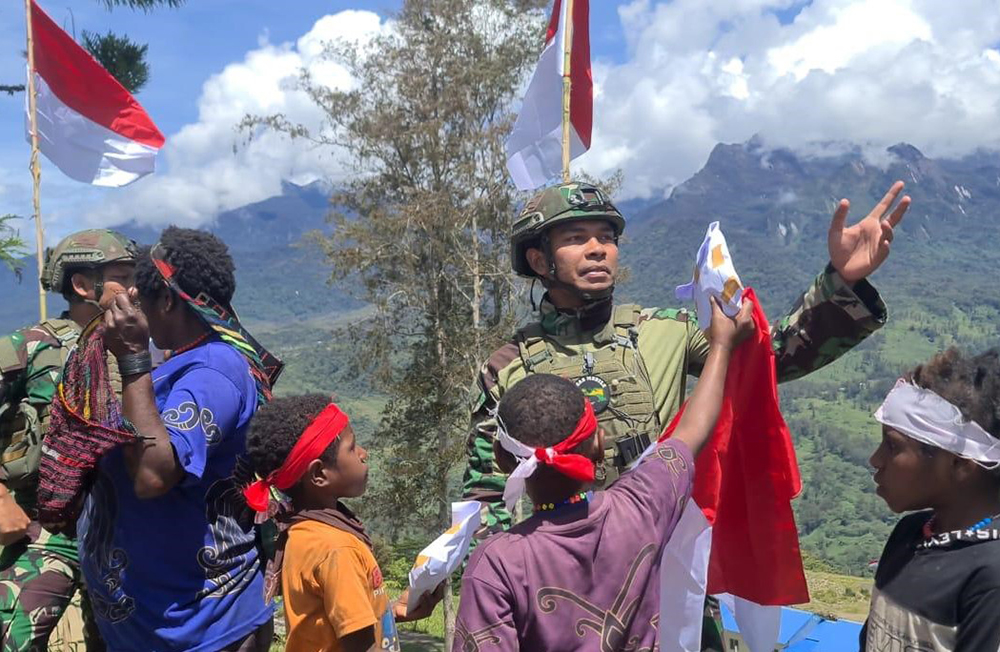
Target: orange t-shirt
332,587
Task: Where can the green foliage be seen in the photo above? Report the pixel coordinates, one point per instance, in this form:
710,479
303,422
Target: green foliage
123,58
11,245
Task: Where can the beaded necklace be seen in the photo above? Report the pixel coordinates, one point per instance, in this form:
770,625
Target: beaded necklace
929,525
582,497
190,345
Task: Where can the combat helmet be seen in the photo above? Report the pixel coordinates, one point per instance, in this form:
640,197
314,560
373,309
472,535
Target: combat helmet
558,205
88,249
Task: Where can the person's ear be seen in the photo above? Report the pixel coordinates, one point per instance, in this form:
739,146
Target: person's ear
82,284
963,470
538,261
316,474
168,298
504,460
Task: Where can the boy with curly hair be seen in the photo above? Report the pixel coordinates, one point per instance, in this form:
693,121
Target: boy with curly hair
938,581
334,595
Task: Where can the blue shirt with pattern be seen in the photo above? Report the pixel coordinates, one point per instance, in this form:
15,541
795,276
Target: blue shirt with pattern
181,572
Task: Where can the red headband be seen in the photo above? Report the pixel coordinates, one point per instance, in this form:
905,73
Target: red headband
316,438
573,465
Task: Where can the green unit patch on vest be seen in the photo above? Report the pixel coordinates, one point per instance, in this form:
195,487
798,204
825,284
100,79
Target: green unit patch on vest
612,375
596,391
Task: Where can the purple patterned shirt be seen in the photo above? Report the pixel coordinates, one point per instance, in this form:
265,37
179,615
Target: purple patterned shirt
584,578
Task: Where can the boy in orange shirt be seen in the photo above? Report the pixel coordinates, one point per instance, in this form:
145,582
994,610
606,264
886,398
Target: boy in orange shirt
332,586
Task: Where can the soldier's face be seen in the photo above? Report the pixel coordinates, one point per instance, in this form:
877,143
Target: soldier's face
585,254
120,273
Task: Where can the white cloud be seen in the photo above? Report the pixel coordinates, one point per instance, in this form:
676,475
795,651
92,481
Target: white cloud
210,167
873,72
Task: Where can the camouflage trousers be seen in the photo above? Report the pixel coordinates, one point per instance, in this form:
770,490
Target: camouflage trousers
38,577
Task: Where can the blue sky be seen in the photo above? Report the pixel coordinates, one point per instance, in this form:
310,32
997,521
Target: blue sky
673,78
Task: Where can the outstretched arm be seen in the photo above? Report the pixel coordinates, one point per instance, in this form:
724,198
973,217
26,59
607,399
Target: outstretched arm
725,334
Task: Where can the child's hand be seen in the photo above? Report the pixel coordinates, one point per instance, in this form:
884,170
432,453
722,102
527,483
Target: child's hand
424,608
729,332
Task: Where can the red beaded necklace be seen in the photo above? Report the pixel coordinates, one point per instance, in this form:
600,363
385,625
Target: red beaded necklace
187,347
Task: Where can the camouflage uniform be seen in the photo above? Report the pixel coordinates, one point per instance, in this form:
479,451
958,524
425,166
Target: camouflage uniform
40,573
635,360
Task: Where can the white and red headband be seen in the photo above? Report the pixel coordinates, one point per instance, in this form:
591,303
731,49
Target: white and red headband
926,417
558,457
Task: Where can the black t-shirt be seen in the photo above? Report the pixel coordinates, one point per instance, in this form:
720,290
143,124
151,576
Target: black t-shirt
937,595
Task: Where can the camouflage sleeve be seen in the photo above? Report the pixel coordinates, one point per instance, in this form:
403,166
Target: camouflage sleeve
482,480
830,319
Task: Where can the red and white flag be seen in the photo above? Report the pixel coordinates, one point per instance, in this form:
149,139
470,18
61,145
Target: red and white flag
534,148
89,126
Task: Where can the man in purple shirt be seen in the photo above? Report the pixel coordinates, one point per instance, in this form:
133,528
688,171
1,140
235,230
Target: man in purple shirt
582,573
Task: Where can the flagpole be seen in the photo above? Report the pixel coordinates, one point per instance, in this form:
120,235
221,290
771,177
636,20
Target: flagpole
567,87
36,172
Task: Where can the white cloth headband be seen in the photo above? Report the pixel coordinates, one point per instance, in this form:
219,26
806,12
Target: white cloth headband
923,415
527,463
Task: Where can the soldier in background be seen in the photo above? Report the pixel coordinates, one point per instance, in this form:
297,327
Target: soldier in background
632,362
40,571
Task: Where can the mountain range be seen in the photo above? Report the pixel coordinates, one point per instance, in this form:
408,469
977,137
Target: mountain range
774,206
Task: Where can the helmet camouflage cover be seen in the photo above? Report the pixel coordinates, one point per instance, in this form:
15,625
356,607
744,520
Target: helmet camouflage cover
558,205
88,249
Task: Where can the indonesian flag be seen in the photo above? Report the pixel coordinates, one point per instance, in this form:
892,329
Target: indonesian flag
89,126
737,537
534,148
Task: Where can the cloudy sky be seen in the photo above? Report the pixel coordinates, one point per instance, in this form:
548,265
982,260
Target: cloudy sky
673,78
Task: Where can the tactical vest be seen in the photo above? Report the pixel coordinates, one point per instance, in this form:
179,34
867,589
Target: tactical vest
23,423
613,377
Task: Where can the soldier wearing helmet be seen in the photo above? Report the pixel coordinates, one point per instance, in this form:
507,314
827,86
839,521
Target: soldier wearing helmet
632,362
40,571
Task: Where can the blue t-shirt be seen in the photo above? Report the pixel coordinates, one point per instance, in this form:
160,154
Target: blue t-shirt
181,572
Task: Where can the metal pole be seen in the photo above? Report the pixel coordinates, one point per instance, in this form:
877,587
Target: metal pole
567,87
36,172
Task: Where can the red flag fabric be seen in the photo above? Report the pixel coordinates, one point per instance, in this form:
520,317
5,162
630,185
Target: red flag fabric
746,477
534,147
89,126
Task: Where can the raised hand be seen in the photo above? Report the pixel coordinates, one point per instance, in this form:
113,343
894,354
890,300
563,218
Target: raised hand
126,330
857,251
730,332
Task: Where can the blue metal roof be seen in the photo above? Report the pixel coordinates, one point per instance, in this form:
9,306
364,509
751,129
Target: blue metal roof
808,632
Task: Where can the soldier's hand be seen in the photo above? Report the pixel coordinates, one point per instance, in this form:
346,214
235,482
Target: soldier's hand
857,251
727,331
13,521
126,330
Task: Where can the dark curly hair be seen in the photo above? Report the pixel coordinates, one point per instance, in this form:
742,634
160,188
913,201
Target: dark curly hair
969,382
202,262
277,426
541,410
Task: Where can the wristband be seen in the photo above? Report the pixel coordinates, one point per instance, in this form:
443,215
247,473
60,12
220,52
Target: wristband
135,364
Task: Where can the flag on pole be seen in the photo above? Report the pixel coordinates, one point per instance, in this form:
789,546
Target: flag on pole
738,535
535,147
89,126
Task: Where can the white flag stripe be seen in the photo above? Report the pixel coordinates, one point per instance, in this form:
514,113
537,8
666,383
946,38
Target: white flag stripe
534,147
84,150
684,581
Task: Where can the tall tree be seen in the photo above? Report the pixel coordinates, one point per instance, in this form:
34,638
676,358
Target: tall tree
422,225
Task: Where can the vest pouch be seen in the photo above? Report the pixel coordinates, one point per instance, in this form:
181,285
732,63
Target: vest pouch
21,428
